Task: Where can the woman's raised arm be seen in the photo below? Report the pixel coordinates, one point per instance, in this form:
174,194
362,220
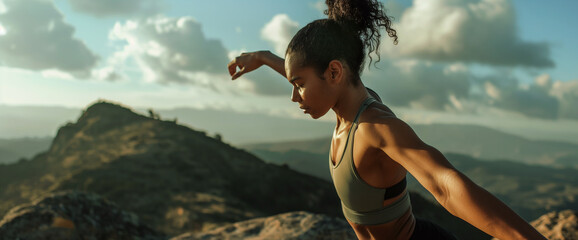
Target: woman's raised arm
452,189
248,62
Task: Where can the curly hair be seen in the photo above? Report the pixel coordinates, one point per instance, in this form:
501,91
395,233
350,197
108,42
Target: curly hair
352,27
366,17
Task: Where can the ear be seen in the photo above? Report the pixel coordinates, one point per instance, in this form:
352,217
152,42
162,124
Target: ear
334,72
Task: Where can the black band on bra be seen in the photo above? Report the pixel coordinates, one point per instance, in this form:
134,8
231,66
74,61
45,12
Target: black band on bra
395,190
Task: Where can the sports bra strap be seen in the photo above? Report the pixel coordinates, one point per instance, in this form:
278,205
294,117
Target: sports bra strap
363,106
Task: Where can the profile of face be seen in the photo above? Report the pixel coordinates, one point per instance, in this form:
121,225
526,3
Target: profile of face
313,93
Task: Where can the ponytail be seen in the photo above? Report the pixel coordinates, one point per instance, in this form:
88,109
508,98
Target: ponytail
365,17
351,28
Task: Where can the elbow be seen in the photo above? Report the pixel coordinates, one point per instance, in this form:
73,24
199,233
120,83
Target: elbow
448,184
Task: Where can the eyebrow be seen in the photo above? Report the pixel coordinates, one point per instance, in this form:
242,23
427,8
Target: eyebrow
294,79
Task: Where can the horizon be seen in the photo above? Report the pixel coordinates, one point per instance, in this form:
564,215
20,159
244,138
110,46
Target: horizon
213,121
514,72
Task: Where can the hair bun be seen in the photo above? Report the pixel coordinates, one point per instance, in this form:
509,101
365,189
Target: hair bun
364,17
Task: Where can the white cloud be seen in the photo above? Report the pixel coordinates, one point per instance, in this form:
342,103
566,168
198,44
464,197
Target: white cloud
3,8
419,84
56,74
533,100
169,49
279,32
567,94
175,50
105,8
37,38
482,31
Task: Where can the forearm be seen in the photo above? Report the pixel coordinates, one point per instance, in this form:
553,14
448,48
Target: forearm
470,202
273,61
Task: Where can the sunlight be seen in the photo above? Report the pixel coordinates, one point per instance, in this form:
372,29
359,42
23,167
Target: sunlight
2,30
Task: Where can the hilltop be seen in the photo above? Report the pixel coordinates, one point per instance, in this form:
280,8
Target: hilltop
175,178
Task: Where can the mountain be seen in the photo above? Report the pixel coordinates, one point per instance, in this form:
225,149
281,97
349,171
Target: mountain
174,178
12,150
33,121
473,140
486,143
531,190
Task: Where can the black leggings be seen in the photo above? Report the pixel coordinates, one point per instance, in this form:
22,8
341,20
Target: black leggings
427,230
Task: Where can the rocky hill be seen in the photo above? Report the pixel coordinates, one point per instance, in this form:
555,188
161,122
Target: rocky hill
174,178
73,215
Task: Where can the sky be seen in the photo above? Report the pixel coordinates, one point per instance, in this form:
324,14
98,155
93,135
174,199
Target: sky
511,64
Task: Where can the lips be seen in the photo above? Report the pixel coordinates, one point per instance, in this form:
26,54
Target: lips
305,109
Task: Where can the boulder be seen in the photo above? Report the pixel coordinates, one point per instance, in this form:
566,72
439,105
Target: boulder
73,215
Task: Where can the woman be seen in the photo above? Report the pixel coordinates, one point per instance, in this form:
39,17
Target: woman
371,149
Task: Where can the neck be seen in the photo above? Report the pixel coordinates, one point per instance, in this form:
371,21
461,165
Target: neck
348,103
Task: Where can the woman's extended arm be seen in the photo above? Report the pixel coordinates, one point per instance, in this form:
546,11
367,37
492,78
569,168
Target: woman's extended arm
248,62
452,189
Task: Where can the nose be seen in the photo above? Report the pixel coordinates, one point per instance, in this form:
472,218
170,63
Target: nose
295,95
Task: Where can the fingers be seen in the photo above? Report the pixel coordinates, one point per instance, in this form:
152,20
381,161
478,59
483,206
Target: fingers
238,74
246,62
232,66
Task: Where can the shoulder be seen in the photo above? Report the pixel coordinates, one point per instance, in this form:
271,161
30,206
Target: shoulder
381,128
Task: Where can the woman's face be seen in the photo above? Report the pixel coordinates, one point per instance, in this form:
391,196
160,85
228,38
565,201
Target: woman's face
311,92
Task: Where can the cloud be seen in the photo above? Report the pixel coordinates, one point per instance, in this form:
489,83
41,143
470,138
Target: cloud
480,31
543,98
279,32
175,50
170,49
37,38
264,80
567,95
530,102
419,84
105,8
442,87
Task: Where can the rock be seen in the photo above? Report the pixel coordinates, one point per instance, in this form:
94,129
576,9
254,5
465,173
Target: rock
293,225
73,215
561,225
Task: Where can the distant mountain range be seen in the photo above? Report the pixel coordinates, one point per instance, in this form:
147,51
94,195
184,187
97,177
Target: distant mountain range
174,178
531,190
475,141
12,150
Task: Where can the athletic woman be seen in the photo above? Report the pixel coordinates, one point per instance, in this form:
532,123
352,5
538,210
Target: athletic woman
371,149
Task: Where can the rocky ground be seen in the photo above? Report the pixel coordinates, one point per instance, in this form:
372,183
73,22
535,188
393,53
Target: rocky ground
293,225
73,215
